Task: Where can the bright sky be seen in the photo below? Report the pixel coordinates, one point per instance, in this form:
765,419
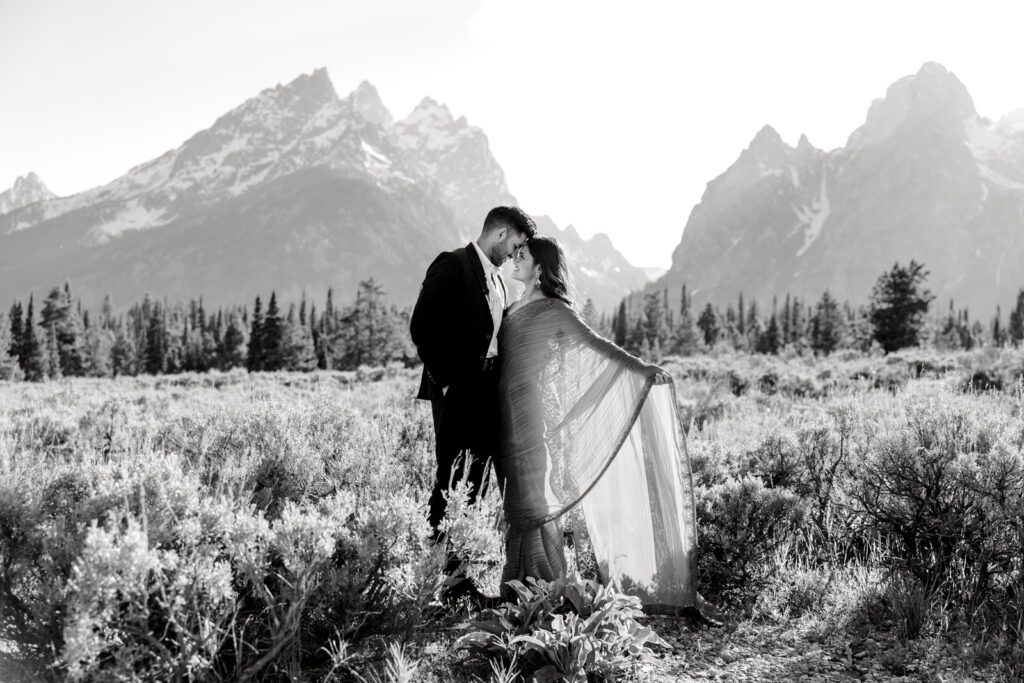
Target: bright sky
610,116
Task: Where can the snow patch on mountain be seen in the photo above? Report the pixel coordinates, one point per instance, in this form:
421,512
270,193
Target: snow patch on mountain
374,154
133,216
814,217
985,140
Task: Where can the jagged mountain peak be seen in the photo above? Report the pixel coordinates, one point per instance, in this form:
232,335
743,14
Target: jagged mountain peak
934,94
767,142
934,86
298,99
315,86
29,182
27,189
431,112
367,102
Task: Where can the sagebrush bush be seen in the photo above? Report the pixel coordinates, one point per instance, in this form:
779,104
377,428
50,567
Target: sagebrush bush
942,487
742,525
225,539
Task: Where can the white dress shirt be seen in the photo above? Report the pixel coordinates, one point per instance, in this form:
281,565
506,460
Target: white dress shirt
496,297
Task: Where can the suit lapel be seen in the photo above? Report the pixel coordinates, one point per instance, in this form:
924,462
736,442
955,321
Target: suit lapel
477,268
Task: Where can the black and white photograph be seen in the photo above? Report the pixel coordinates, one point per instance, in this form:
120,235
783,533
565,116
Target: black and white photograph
488,341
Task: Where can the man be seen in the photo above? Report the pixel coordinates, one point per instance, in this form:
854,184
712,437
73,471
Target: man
455,329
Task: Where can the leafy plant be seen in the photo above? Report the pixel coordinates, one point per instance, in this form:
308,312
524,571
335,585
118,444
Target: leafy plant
567,629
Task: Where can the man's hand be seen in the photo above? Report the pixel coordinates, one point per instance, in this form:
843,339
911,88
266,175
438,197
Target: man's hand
660,376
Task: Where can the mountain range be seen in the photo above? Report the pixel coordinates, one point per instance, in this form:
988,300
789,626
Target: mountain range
297,189
924,178
294,190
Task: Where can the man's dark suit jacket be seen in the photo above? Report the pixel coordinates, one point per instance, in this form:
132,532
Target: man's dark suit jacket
452,327
451,323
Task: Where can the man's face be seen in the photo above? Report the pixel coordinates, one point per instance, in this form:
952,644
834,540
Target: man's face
507,247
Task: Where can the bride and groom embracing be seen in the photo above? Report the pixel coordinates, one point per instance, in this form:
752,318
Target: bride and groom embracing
566,417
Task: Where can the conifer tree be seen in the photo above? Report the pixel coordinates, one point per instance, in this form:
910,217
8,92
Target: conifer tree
708,324
273,337
636,336
621,326
52,353
232,347
60,313
299,352
998,334
318,342
899,303
826,325
753,322
786,331
172,321
97,348
1015,329
155,349
328,327
797,331
371,334
859,334
977,334
685,338
107,313
17,335
32,348
741,324
254,355
950,334
123,352
654,319
769,340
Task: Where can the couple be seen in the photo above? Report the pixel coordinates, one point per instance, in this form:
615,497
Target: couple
567,417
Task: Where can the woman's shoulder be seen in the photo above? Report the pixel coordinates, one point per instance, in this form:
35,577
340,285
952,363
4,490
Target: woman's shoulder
539,305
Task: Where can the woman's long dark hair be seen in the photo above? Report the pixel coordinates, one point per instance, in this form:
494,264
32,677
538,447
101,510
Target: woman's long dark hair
554,271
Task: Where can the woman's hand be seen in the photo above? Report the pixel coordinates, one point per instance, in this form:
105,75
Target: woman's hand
660,376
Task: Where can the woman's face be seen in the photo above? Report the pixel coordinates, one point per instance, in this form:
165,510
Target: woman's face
524,268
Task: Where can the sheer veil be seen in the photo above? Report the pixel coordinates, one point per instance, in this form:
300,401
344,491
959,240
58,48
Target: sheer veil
609,441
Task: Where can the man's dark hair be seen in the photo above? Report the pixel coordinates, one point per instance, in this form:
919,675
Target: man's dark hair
511,217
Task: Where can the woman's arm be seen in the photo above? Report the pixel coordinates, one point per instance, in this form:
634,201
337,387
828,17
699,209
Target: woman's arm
575,326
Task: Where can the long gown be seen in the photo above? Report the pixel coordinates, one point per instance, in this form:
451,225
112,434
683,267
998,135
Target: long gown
581,424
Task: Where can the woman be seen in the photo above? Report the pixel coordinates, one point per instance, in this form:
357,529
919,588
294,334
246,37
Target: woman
584,422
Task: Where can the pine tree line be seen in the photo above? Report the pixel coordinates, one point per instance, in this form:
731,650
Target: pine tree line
155,337
895,317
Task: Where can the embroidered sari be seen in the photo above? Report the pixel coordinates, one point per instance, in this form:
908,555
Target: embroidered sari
583,425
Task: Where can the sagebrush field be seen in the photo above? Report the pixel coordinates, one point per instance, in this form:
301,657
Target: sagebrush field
228,526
